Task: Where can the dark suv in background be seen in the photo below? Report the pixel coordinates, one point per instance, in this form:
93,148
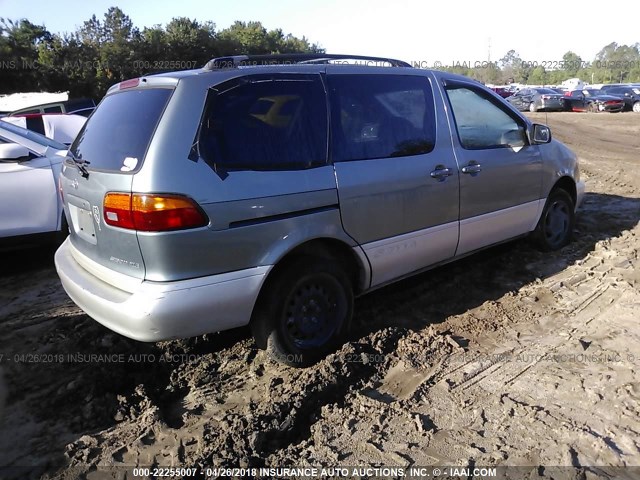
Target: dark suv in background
630,95
272,190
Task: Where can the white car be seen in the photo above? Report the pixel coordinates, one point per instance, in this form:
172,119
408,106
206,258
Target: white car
30,204
61,128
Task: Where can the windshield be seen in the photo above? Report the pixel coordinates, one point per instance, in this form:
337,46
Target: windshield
118,133
29,135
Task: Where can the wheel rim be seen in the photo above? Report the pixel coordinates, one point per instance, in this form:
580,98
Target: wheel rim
314,311
636,107
557,222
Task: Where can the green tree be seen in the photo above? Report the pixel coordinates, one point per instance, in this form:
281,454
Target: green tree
19,44
572,63
538,76
615,63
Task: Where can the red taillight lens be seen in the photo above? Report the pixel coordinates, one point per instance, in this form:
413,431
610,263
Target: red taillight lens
152,213
567,94
117,210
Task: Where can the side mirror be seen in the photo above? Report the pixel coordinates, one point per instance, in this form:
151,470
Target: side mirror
541,134
12,152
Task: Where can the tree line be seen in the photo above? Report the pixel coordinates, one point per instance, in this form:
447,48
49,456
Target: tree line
613,64
105,51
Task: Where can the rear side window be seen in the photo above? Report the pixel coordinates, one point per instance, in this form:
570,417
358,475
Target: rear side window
120,129
265,123
380,116
36,124
54,109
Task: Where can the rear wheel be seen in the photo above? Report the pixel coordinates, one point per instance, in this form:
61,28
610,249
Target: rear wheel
304,311
636,107
556,222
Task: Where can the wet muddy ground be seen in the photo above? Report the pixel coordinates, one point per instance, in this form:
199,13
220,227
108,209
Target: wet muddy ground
508,357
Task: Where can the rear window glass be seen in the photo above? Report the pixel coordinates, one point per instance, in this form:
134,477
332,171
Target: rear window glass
266,123
380,116
117,135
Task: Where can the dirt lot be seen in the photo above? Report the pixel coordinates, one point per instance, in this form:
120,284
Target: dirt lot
510,357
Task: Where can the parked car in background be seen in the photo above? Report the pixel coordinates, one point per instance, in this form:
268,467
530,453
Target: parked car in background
630,95
589,100
502,91
534,99
31,210
65,106
607,86
271,190
60,127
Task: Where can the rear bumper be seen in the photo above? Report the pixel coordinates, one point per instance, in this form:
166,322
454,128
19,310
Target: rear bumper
559,106
613,108
163,310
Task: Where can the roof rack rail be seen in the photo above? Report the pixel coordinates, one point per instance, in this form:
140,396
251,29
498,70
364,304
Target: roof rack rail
235,61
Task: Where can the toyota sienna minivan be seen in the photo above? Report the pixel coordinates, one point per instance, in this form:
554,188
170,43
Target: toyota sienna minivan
271,190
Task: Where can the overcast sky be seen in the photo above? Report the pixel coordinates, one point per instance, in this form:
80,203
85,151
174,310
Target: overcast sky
412,30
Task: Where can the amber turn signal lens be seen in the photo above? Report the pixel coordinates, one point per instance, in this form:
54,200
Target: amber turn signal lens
152,212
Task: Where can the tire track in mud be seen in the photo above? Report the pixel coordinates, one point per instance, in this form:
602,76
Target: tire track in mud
421,381
466,398
235,419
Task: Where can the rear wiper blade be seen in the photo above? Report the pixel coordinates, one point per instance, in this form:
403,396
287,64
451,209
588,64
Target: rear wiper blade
80,164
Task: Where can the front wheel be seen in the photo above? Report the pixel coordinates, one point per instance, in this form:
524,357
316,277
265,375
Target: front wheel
304,311
636,107
532,107
556,222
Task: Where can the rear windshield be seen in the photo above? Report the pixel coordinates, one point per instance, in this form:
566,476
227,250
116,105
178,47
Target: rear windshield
117,135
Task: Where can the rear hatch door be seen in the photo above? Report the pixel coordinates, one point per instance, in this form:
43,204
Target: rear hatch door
104,157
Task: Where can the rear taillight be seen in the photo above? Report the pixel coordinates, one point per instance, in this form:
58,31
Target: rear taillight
152,212
117,210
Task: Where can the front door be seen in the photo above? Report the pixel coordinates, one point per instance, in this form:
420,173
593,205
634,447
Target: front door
396,173
500,173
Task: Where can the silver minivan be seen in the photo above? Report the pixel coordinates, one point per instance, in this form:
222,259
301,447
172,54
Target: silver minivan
271,190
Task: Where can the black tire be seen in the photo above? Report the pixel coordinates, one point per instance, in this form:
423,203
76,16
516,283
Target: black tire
304,311
555,226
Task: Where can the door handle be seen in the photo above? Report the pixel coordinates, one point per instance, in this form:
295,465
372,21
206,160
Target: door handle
441,173
473,168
